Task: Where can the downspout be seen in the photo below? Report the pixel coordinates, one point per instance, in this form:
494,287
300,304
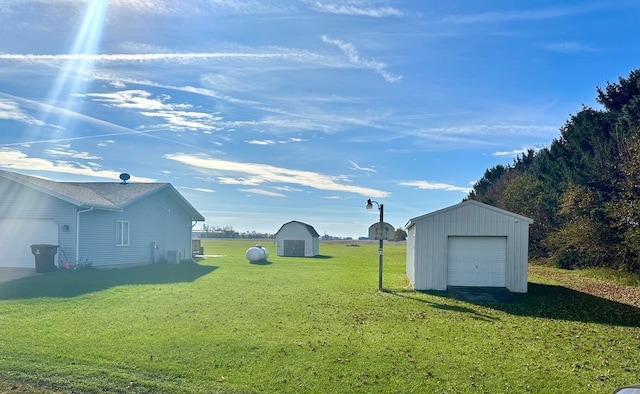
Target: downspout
191,236
78,233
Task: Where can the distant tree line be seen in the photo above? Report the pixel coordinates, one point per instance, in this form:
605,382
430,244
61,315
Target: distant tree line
400,234
228,232
583,191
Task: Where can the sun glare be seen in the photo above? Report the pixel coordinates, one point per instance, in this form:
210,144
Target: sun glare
76,72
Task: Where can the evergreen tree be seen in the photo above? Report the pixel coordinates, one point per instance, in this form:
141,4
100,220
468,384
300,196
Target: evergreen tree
583,191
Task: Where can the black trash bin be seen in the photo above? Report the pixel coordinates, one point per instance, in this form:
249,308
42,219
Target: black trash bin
45,257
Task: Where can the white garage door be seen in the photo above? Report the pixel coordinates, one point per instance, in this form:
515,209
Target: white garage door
476,261
17,236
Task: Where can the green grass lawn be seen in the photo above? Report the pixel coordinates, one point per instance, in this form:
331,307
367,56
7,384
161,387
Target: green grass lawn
295,325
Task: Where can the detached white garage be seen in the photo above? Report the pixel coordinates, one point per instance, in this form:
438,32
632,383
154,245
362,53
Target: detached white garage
468,244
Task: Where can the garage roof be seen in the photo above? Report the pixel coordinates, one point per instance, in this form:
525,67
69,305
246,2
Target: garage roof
413,221
100,195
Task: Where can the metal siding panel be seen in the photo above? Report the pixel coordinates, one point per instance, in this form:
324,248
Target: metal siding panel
428,248
425,247
419,256
410,255
437,252
519,254
521,279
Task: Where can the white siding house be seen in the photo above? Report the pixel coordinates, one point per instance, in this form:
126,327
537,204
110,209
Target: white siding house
297,239
468,244
104,223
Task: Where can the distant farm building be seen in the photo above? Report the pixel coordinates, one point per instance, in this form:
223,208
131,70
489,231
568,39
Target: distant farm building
297,239
468,244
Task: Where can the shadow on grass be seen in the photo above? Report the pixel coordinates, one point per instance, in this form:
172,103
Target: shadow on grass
74,283
558,303
261,262
444,307
316,257
562,303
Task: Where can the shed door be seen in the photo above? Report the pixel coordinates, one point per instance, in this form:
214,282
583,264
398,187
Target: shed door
294,248
476,261
17,236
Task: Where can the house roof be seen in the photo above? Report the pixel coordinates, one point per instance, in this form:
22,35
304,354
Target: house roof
99,195
411,222
312,231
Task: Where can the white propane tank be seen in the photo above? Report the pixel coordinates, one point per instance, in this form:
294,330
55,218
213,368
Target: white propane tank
257,253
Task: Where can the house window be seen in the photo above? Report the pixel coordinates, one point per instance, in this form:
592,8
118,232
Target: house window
122,233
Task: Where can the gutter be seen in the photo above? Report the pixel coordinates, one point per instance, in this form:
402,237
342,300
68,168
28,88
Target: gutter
78,233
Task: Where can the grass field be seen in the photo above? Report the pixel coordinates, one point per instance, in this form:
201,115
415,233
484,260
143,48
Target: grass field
296,325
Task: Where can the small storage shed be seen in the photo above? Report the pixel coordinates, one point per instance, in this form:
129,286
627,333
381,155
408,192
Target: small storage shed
297,239
468,244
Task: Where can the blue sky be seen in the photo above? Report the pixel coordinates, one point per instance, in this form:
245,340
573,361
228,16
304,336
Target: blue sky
263,112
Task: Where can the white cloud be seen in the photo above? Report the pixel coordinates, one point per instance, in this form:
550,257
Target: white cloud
476,135
212,7
354,58
176,115
355,166
143,57
10,110
490,129
567,47
425,185
261,142
17,160
515,16
135,99
118,84
200,189
240,181
263,192
257,174
516,152
287,189
63,112
354,9
72,154
106,142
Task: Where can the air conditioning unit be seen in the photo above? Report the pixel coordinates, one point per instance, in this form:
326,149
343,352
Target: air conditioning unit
174,256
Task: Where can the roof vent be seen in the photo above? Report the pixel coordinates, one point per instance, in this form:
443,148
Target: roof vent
124,177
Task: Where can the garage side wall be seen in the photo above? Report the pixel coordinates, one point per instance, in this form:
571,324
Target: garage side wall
19,202
411,255
429,258
315,247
